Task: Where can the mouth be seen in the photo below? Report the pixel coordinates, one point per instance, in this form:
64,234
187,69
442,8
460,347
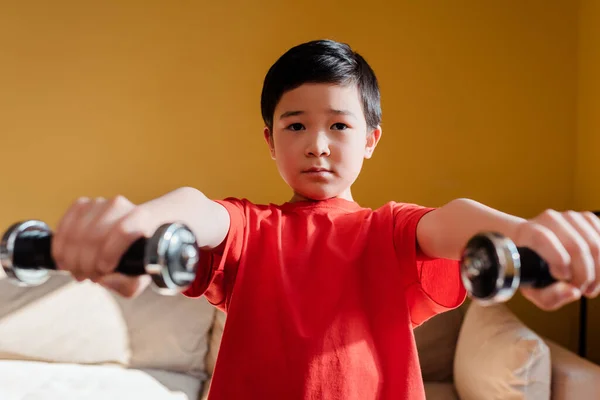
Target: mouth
316,170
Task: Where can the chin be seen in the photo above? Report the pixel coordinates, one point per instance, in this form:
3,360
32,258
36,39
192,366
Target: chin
318,194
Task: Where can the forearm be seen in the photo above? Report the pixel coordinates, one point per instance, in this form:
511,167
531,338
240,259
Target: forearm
444,232
206,218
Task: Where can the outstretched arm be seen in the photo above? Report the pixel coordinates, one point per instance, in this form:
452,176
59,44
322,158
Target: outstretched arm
568,241
93,235
444,232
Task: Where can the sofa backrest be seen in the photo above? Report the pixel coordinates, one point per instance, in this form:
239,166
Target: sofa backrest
436,342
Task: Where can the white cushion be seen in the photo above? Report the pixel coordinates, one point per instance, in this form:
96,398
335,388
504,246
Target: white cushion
22,380
75,322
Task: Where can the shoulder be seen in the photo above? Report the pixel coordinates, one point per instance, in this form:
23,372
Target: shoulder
247,207
403,210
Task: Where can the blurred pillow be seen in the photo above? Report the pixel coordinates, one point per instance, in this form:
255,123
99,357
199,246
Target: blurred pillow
498,357
62,321
168,332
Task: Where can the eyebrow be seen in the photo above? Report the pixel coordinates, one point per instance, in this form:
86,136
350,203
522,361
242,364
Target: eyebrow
288,114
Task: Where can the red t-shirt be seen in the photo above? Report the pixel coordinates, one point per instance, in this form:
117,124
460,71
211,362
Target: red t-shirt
321,300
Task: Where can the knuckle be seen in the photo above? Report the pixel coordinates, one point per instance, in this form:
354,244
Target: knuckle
98,203
81,202
135,220
541,236
120,201
550,214
570,214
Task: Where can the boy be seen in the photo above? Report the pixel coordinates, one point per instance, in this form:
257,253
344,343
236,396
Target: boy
322,294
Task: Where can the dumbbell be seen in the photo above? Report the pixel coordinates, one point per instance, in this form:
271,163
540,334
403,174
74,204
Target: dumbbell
170,256
493,268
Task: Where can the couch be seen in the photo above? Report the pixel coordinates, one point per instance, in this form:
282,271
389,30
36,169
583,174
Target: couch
68,340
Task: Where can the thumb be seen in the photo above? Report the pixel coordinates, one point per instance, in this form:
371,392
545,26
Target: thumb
126,286
552,297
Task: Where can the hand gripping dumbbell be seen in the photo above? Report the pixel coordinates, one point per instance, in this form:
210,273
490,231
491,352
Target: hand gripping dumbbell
492,268
170,256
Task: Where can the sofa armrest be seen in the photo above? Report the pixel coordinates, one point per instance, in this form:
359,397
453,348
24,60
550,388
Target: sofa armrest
573,377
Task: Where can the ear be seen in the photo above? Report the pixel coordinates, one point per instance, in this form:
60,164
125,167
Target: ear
269,139
372,140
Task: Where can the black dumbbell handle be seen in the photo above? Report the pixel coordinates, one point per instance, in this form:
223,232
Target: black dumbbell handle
32,250
534,270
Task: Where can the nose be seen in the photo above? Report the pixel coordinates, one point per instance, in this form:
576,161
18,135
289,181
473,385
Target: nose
318,146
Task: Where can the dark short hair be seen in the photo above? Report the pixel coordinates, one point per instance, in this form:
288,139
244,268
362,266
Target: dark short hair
321,61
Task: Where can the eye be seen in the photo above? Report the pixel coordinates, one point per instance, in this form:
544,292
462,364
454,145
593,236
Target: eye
339,126
296,127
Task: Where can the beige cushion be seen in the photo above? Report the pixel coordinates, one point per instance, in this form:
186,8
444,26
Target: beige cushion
498,357
436,343
62,321
168,332
21,380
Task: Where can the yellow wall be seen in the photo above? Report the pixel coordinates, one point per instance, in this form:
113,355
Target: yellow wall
587,177
138,98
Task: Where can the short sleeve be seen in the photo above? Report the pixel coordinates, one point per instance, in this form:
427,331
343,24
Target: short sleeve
432,285
217,268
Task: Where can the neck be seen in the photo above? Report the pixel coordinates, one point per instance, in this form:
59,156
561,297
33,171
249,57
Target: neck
346,195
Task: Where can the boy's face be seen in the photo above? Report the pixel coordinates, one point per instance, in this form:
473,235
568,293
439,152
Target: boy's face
320,139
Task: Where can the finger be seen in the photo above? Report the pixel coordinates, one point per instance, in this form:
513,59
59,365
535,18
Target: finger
114,210
120,237
86,232
78,247
543,241
582,264
592,219
127,286
65,243
64,225
552,297
592,238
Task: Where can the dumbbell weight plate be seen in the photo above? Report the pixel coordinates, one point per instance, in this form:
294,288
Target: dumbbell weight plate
171,258
20,276
490,268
